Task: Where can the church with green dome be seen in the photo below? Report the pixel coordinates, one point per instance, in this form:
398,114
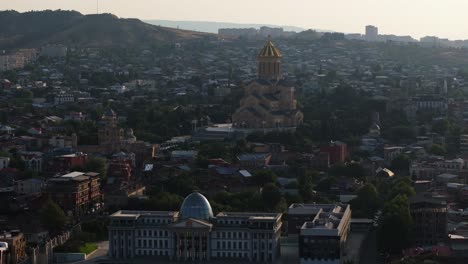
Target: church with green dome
195,234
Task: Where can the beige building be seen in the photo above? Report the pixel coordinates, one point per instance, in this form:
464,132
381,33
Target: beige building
269,102
195,234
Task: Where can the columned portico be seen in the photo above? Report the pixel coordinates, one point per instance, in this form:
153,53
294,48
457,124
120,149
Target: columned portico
192,240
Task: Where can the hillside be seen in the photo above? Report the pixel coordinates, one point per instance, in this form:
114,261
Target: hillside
34,29
213,27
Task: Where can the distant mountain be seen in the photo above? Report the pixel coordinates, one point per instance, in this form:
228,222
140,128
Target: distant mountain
212,27
34,29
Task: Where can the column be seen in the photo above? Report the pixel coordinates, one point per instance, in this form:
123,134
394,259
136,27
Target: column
185,246
111,244
208,246
192,247
200,246
177,247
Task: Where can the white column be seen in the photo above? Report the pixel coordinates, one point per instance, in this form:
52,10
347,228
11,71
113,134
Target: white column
200,246
192,246
185,246
177,247
208,246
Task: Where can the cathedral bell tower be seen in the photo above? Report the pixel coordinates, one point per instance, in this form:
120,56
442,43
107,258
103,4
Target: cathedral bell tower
269,62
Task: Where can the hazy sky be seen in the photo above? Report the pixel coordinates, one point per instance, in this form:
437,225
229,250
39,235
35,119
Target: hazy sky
443,18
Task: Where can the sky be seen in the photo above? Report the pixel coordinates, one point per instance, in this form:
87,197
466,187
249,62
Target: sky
418,18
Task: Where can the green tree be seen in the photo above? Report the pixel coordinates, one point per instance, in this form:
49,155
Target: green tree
401,186
395,225
437,149
367,202
98,165
262,177
52,217
306,186
326,184
400,133
355,170
271,196
441,126
401,163
182,185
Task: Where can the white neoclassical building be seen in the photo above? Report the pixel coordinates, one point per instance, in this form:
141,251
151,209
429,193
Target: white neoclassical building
195,234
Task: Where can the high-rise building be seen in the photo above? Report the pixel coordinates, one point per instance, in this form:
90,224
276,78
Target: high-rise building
195,234
372,33
269,103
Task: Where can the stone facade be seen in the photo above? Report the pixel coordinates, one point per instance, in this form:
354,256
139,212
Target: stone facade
194,234
269,102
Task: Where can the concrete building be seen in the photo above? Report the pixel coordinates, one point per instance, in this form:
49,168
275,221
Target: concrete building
323,235
63,98
31,186
75,192
337,151
430,219
464,144
372,33
195,234
4,162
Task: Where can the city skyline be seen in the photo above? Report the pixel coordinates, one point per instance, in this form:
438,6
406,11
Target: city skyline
434,18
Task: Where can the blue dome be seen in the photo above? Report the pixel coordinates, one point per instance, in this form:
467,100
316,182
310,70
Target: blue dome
196,206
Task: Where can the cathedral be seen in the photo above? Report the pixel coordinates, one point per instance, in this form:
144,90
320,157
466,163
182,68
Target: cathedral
111,136
269,102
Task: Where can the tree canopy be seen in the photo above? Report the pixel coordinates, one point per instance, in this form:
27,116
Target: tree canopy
52,217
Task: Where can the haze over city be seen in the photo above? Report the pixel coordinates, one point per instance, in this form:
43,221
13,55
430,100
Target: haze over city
216,131
417,18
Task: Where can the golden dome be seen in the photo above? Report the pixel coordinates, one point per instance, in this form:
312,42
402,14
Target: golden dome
269,51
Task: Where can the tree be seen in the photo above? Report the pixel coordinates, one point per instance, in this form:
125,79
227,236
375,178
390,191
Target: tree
326,184
182,185
441,126
271,196
401,186
52,217
437,150
306,186
367,202
400,133
262,177
355,170
395,225
98,165
401,163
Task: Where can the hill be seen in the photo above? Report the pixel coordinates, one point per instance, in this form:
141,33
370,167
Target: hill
212,27
34,29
